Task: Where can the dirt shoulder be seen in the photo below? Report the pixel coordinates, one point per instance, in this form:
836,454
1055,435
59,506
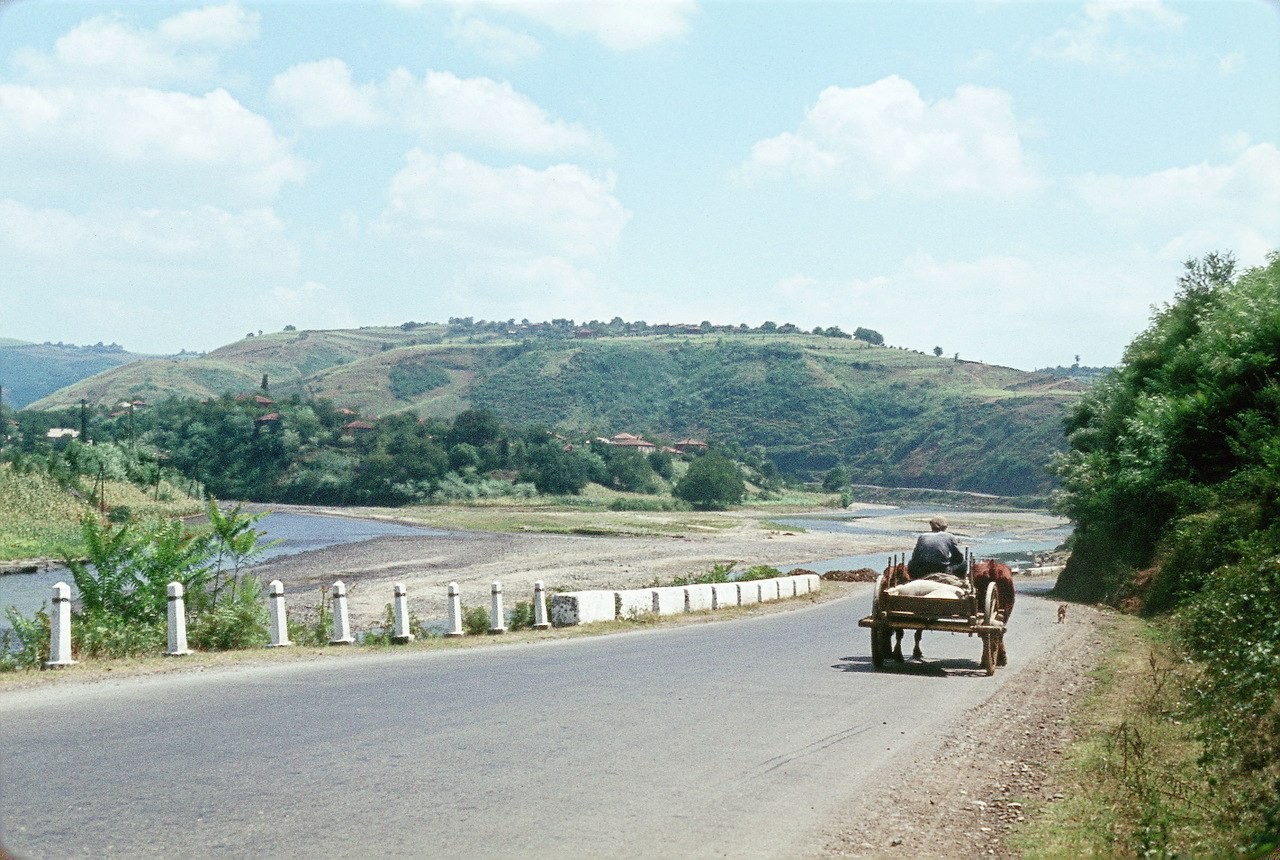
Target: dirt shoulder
966,797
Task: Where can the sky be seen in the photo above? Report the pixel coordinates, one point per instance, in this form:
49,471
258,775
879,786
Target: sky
1014,182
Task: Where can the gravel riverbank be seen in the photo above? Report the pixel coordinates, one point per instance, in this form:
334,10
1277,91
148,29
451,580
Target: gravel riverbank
569,562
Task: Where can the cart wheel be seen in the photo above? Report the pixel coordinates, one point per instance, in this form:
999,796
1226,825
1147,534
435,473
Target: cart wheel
992,604
877,648
989,653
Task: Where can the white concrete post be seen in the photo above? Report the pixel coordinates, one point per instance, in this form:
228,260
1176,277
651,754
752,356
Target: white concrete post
177,622
279,623
497,624
60,628
341,620
402,635
455,611
540,621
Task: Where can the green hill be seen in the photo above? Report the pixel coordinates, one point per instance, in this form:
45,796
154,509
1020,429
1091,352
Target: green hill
810,402
30,371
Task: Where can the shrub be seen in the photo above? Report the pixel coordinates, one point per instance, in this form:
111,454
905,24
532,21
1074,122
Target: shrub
1232,627
237,622
475,619
521,616
32,635
627,503
101,634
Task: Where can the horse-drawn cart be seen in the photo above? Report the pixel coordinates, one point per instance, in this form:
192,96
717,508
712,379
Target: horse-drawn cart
964,614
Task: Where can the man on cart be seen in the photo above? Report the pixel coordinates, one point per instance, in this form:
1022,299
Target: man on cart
936,552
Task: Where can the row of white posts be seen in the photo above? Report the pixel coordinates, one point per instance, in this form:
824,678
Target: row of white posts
60,622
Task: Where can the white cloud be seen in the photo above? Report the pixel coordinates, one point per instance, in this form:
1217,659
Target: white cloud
107,49
1139,12
537,288
1005,310
1107,35
309,306
622,25
153,279
220,26
321,93
885,136
178,243
495,43
1231,63
1203,207
562,210
139,137
440,107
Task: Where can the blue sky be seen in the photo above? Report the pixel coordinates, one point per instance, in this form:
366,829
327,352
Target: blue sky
1015,182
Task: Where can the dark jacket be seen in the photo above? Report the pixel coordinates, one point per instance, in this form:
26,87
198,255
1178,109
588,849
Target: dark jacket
935,552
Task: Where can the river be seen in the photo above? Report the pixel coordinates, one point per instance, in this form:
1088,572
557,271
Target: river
295,533
299,533
1014,547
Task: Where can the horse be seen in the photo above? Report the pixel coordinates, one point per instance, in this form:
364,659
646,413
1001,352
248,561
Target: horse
896,574
988,571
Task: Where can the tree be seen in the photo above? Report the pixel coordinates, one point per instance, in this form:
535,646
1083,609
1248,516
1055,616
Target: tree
937,352
476,427
712,483
555,471
837,478
869,335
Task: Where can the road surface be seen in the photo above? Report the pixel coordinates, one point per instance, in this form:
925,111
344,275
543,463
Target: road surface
730,738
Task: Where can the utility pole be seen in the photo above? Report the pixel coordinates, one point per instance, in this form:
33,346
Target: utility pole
84,424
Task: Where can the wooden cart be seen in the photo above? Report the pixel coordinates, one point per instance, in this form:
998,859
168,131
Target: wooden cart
964,614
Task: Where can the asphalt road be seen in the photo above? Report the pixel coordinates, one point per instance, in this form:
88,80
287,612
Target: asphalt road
733,738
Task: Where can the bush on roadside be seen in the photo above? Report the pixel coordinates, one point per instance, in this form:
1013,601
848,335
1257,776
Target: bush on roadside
32,640
521,616
475,619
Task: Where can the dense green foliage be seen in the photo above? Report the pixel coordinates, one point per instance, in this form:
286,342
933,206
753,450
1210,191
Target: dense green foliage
408,379
1173,480
123,584
808,411
806,401
712,483
1175,457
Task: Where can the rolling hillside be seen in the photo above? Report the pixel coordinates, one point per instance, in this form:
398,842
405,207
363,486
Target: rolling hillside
892,416
30,371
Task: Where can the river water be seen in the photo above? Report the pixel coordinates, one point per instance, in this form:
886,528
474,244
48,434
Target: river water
299,533
1014,547
296,533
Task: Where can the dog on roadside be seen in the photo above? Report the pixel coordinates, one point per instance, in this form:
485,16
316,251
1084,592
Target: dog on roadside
1062,613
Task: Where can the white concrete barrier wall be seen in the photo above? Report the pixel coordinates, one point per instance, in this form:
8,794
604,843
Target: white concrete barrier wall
582,607
634,602
697,598
668,600
724,594
815,582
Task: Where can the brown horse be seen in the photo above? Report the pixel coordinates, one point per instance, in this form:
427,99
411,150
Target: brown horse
897,575
988,571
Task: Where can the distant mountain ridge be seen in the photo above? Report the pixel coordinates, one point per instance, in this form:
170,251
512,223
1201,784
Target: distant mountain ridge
30,371
811,401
